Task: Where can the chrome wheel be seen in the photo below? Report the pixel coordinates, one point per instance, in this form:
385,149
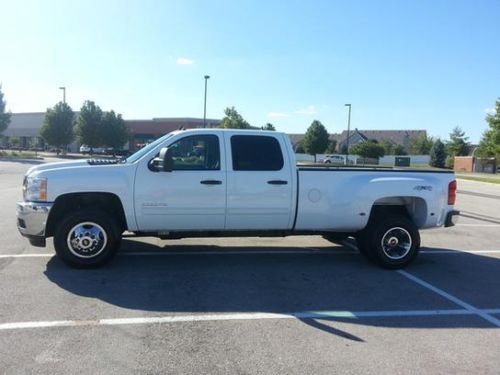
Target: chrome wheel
87,239
396,243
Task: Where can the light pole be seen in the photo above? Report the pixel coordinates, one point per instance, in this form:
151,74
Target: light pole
63,88
205,103
348,132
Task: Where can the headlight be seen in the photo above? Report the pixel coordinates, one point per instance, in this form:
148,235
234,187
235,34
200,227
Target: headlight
35,189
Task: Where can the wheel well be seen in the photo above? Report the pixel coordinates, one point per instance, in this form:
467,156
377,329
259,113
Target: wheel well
414,208
69,202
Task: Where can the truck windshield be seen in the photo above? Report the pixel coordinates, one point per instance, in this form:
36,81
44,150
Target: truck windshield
143,151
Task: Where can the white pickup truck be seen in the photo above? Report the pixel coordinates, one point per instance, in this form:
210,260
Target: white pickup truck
215,182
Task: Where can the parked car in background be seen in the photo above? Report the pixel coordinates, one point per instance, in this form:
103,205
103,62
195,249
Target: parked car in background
334,159
84,149
116,152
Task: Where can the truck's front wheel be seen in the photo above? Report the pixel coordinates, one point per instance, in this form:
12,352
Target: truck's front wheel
393,242
86,238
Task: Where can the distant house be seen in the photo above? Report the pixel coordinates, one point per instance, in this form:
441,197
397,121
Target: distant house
396,137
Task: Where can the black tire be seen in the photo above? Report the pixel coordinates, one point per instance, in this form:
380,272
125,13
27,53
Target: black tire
393,242
101,234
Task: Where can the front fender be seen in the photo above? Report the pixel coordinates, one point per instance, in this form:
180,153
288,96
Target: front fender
116,179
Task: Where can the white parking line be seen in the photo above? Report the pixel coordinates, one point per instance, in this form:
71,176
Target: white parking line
254,252
451,298
473,310
447,252
458,252
237,316
40,255
218,252
478,225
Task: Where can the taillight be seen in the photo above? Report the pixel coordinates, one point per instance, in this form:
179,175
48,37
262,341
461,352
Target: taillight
452,192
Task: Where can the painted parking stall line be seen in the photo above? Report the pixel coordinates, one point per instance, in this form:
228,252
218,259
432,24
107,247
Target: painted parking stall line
458,252
239,317
478,225
252,252
448,296
446,252
473,310
40,255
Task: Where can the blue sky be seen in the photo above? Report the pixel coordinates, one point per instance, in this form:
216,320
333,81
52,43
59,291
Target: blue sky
402,64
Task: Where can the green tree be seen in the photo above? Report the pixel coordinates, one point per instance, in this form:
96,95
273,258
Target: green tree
233,120
89,124
57,127
490,141
343,149
14,141
399,150
368,149
332,146
4,116
438,154
420,144
269,126
315,140
458,146
114,131
388,146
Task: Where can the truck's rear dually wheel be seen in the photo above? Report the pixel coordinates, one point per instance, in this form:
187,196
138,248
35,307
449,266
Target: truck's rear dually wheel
393,241
86,238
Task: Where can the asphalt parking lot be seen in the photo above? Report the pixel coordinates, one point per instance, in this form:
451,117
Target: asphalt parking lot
296,305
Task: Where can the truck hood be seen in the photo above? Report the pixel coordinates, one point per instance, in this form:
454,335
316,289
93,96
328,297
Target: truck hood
68,164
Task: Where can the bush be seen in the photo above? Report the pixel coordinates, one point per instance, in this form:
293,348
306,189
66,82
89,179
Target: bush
450,162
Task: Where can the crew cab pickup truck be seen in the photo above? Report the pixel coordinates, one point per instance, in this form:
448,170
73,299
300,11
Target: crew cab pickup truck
217,182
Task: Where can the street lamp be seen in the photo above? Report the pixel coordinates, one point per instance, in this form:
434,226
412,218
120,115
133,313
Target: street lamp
63,88
348,132
205,103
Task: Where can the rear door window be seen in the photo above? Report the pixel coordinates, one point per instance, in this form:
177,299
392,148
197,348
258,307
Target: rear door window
256,153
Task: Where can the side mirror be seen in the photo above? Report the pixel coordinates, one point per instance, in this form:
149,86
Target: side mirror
167,161
163,162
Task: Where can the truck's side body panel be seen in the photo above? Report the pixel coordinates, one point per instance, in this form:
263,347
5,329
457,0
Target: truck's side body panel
342,200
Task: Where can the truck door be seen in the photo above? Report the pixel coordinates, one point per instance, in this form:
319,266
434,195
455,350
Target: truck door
190,197
259,182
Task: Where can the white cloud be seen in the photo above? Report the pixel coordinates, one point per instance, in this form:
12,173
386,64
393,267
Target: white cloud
309,110
277,115
490,111
184,61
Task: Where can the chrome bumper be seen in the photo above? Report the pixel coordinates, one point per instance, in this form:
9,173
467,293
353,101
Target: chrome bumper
451,218
31,220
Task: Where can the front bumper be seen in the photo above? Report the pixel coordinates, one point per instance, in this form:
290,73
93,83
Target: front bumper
451,218
31,220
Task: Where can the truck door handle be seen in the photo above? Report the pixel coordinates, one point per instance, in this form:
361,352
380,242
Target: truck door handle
277,182
211,182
